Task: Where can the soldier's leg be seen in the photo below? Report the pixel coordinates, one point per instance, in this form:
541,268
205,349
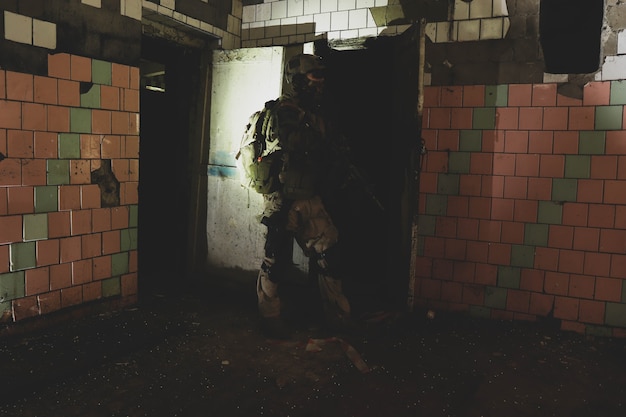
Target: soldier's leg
335,303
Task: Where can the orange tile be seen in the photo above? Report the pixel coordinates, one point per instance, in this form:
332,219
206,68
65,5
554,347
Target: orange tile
527,165
20,144
492,186
24,308
21,200
473,96
102,267
597,263
616,142
11,172
566,308
45,90
70,249
499,253
120,169
49,302
512,232
58,119
590,191
520,95
101,121
479,208
133,170
571,261
69,93
461,118
581,118
130,284
46,145
581,286
119,217
34,116
3,89
71,296
612,241
110,147
19,86
69,197
80,68
525,211
120,75
587,239
493,141
552,166
544,95
555,118
135,78
90,146
81,271
516,141
470,185
120,123
540,188
432,96
620,217
3,141
91,245
448,140
546,259
10,229
575,214
507,118
608,289
111,242
502,209
440,118
131,100
109,97
458,206
47,252
601,215
531,118
621,167
92,291
101,220
560,236
615,192
60,276
80,221
532,280
37,281
597,93
80,172
4,258
604,167
591,311
129,192
618,266
59,224
451,96
518,301
515,187
541,304
90,196
481,163
564,101
3,201
10,114
565,142
504,164
34,172
59,65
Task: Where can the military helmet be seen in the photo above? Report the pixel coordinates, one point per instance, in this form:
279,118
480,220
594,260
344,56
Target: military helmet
302,65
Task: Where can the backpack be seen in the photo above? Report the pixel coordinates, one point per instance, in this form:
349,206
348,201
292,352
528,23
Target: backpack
259,155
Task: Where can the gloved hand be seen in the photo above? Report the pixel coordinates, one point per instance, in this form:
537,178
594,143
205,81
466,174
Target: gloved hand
313,228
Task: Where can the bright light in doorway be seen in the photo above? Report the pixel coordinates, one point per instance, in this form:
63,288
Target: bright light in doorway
152,76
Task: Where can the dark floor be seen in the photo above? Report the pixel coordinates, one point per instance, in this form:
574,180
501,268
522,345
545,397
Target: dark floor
201,354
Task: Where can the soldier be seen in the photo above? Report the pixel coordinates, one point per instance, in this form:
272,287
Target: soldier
296,209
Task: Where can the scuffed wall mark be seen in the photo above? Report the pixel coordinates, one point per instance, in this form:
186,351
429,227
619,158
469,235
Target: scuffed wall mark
109,185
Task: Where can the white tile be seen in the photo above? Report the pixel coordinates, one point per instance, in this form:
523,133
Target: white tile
249,14
357,19
381,3
328,6
44,34
443,32
431,31
149,5
93,3
555,78
614,68
311,6
132,9
481,8
349,34
500,8
346,4
322,22
368,32
295,8
263,12
621,42
180,17
491,28
170,4
18,28
196,23
506,25
279,9
165,11
363,4
339,21
469,30
461,10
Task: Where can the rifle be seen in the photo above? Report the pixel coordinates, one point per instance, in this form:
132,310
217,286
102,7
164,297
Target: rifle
355,175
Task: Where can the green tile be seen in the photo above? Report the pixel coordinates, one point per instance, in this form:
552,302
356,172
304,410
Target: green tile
484,118
119,263
420,246
564,189
12,285
577,166
523,256
598,331
618,92
508,277
549,212
111,287
23,256
437,204
101,72
497,95
133,220
46,198
591,142
609,117
80,120
536,234
426,225
35,227
6,306
69,146
128,239
495,297
58,171
470,140
459,162
91,98
480,312
448,184
615,315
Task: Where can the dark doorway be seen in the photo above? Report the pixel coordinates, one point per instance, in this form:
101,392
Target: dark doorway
375,93
169,86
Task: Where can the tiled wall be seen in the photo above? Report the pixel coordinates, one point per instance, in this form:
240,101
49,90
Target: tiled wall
523,204
58,246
